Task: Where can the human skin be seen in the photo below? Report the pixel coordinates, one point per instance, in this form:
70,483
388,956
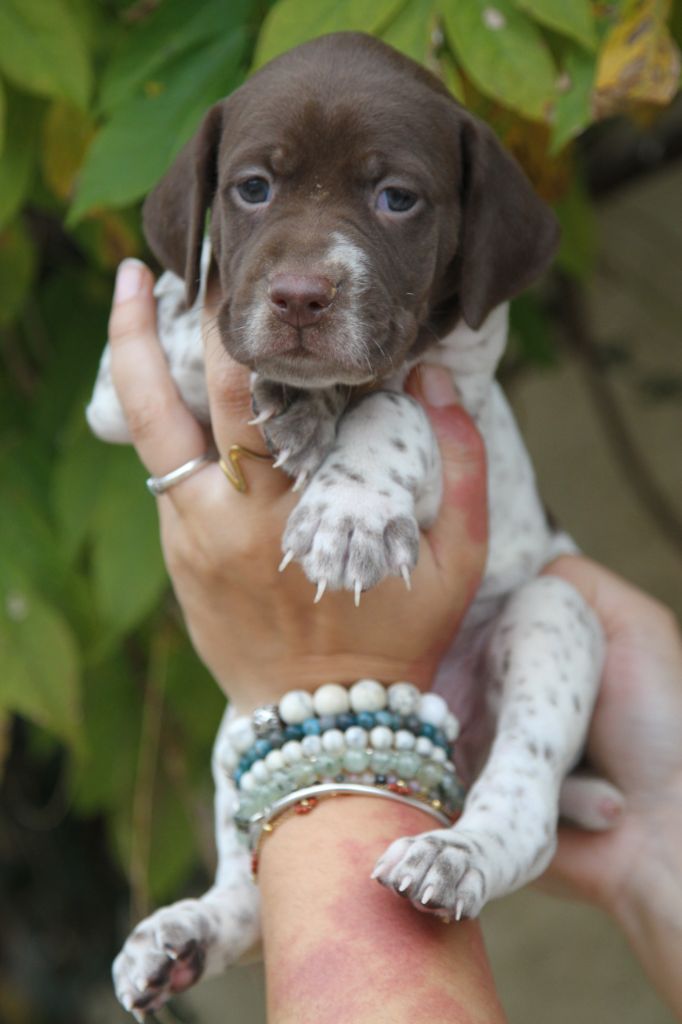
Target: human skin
222,562
261,635
340,948
223,548
633,872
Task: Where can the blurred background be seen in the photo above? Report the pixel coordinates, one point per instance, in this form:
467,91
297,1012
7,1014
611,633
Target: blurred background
106,717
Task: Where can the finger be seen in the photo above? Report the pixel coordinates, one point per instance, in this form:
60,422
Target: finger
164,432
229,395
460,534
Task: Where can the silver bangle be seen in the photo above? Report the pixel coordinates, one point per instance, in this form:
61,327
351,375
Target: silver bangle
255,826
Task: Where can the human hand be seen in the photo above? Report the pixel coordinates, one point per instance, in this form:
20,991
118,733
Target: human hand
258,631
634,870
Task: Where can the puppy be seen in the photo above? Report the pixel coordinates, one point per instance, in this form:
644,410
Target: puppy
361,222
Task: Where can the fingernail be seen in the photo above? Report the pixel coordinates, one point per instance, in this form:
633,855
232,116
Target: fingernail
437,386
129,277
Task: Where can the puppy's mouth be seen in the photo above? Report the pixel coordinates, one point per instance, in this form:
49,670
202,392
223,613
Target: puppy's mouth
318,355
302,366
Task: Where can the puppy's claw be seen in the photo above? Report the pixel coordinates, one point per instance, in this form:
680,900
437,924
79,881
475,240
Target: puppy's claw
281,458
171,953
405,573
138,1015
405,883
262,417
459,910
357,593
377,870
428,893
321,587
301,480
285,561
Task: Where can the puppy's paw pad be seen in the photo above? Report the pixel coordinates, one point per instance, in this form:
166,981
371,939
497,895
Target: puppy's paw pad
354,543
444,872
163,956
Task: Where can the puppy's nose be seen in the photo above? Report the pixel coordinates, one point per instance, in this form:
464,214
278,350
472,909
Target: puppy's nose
300,299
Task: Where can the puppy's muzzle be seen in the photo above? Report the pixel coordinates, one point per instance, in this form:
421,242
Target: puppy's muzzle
300,300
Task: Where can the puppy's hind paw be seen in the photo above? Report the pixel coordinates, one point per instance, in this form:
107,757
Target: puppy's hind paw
443,872
164,955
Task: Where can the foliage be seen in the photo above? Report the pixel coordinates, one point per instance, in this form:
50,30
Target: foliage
95,100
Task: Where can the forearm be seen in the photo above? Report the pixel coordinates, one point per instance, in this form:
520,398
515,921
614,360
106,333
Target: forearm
338,947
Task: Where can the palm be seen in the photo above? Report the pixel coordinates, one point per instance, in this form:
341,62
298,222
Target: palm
635,742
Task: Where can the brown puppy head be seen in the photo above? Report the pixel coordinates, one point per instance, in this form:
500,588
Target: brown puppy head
357,211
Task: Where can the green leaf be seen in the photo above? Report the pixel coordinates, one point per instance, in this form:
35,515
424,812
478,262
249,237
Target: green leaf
103,777
73,305
3,116
410,30
173,849
75,495
40,665
170,31
42,49
128,571
531,332
572,18
133,150
573,109
449,72
19,156
27,541
291,22
193,700
503,53
17,266
577,252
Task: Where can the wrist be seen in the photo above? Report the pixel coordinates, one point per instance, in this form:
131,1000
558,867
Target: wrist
250,685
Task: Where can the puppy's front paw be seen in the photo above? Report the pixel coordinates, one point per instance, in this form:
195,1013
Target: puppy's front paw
299,427
444,872
348,536
163,956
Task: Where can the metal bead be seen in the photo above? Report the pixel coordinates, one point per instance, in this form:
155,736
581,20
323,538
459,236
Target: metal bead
265,719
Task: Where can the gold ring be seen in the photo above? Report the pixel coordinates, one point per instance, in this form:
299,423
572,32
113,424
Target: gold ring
232,468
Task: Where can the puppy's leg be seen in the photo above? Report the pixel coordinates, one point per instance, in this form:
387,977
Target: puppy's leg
543,661
195,938
359,518
299,425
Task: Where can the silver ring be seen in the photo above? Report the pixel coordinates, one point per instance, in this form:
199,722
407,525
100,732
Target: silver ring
159,484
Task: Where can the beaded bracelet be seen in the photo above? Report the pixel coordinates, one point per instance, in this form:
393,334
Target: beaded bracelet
334,709
433,783
390,741
305,800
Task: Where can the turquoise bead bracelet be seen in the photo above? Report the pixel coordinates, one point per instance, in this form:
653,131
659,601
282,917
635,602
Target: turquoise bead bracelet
306,799
431,783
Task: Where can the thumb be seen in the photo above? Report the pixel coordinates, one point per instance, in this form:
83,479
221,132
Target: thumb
459,535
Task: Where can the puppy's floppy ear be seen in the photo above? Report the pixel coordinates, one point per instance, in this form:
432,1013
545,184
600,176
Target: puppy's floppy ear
174,214
508,235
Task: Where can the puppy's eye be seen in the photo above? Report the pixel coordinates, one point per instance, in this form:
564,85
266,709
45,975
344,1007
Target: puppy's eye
396,200
254,190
